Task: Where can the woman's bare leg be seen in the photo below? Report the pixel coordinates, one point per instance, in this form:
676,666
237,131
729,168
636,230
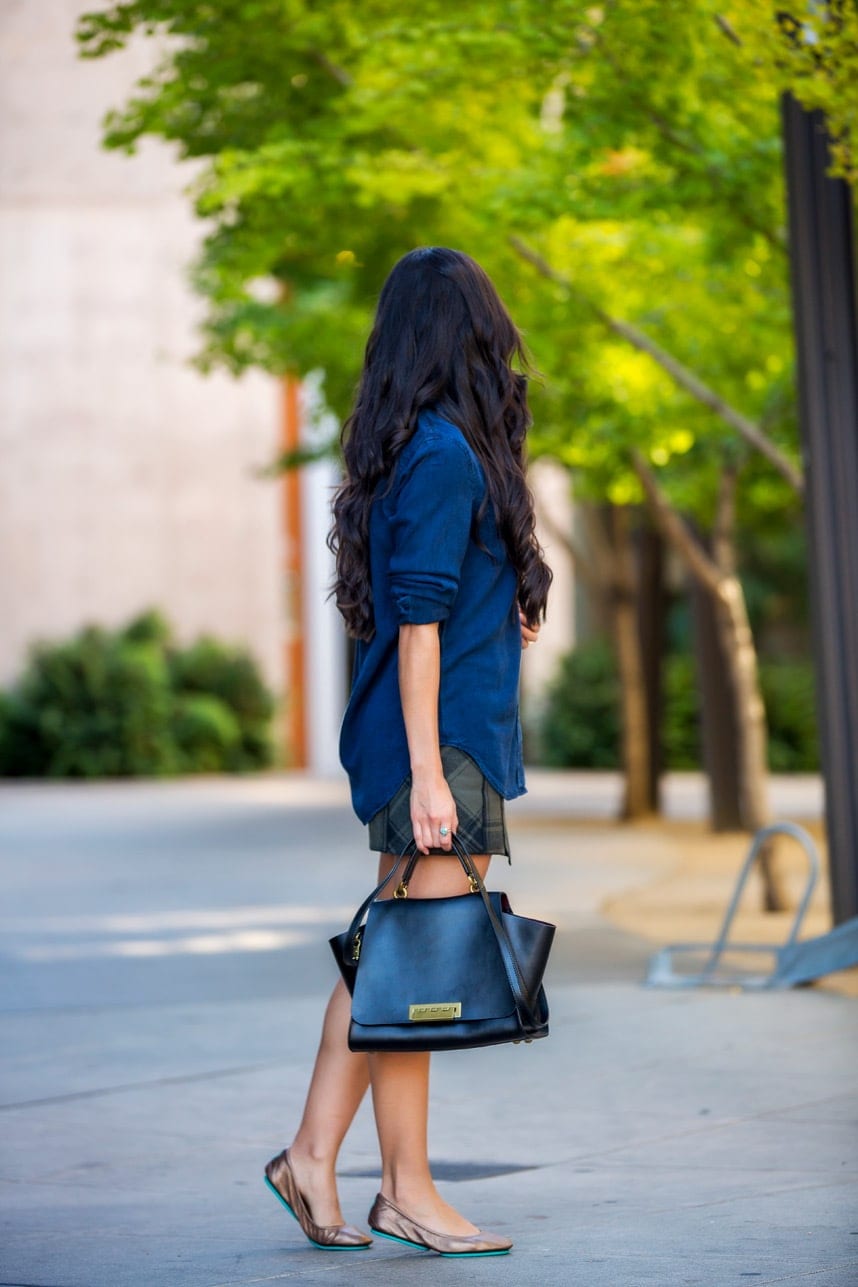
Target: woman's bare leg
400,1086
339,1082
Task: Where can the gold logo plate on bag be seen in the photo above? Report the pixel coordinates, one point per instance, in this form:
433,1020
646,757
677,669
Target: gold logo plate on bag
438,1010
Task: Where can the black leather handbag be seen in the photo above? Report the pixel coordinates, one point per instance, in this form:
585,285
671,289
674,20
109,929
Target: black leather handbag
443,973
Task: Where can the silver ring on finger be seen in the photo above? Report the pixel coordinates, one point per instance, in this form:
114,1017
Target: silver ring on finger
443,831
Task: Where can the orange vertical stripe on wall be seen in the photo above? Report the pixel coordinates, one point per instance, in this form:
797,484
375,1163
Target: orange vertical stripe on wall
295,728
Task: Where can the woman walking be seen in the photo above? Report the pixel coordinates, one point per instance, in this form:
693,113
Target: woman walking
442,582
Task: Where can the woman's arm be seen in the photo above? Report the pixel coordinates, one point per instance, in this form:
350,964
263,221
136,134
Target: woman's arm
432,804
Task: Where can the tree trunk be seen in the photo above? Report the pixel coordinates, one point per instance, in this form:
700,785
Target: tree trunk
608,568
751,742
741,657
734,629
633,696
718,733
651,612
718,577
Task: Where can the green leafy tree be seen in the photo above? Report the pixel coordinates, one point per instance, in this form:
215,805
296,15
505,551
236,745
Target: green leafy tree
638,142
617,169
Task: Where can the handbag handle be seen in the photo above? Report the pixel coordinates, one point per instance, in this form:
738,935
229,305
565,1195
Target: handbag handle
518,987
523,1003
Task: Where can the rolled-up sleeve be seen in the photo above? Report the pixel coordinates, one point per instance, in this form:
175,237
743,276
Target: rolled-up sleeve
431,526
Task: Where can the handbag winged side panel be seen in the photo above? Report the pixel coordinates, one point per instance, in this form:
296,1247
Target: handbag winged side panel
344,955
531,941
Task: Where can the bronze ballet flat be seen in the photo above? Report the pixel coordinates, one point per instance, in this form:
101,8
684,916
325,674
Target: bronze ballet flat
280,1179
388,1221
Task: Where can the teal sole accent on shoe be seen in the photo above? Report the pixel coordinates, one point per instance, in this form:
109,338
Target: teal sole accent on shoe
280,1198
472,1255
403,1242
448,1255
359,1246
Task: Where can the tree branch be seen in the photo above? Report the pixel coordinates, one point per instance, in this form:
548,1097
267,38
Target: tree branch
723,545
728,30
339,74
687,380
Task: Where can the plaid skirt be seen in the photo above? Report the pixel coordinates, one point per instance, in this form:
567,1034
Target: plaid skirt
479,807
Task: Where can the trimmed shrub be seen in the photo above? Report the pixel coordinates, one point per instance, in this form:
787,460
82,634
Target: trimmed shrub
680,725
95,706
230,674
151,627
129,702
580,723
790,701
21,750
580,726
207,733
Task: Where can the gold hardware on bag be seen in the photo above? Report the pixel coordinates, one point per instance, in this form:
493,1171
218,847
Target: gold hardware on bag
356,941
401,890
438,1010
475,884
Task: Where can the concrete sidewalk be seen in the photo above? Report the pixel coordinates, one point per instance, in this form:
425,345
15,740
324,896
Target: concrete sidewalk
163,971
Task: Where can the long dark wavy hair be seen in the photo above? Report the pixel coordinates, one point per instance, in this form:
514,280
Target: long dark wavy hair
441,339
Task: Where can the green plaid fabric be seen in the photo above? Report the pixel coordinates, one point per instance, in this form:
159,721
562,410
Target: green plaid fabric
482,824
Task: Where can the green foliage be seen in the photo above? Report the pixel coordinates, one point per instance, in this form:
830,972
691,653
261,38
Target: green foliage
207,667
150,627
207,733
129,702
812,51
680,728
580,725
21,748
635,145
96,706
774,576
788,693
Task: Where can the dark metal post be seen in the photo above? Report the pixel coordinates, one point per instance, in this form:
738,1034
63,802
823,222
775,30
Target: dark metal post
824,298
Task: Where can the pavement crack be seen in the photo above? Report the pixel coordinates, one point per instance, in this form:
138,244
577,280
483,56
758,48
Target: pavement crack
124,1087
732,1198
697,1129
802,1273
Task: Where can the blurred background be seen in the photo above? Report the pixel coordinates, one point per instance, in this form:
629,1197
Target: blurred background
199,202
198,208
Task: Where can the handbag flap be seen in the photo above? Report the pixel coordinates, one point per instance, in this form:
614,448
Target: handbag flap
438,953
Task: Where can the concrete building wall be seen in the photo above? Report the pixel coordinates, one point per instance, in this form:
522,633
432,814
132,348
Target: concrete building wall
552,492
126,477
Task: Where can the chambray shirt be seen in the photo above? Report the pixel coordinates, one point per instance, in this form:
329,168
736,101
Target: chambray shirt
426,565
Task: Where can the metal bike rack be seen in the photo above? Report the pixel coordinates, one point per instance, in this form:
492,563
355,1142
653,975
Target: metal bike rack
794,962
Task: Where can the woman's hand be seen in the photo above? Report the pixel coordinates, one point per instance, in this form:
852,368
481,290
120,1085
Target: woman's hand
529,634
432,807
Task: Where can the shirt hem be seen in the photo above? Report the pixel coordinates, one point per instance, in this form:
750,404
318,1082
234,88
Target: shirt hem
515,794
490,778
